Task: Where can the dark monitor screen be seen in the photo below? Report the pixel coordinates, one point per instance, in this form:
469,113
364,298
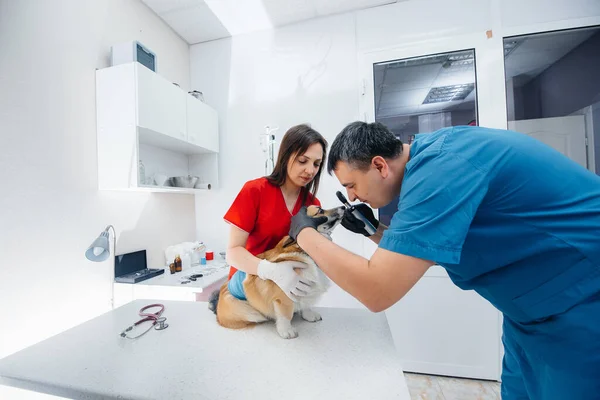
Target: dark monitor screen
130,262
146,59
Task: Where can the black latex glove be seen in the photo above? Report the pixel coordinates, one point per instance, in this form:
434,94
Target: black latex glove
355,225
301,221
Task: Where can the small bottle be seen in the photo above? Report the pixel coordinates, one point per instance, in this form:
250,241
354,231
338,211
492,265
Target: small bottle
178,266
142,172
172,268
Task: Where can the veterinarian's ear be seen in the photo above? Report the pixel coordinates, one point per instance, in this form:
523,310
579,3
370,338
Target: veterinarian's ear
288,242
380,165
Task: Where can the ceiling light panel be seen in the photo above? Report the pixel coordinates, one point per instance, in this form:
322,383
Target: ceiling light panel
449,93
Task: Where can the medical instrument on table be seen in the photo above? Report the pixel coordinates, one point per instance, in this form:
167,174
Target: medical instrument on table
368,226
155,318
267,143
133,268
188,279
194,277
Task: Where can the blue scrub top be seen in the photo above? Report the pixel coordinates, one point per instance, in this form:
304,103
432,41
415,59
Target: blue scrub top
505,215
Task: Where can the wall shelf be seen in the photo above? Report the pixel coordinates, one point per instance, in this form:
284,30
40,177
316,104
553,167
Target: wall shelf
143,117
157,139
169,189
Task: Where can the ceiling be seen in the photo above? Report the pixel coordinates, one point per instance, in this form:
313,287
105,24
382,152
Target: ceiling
204,20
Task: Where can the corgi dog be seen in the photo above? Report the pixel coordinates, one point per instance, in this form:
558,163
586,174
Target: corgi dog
264,299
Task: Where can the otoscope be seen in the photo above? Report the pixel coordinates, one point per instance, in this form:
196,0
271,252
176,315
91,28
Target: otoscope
368,226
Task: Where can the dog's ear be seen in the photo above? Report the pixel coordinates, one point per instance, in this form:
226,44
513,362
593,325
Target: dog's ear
288,242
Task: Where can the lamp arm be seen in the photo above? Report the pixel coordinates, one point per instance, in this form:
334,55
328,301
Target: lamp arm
110,227
112,275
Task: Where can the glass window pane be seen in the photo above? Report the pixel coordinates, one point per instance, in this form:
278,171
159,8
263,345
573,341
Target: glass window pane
423,94
553,90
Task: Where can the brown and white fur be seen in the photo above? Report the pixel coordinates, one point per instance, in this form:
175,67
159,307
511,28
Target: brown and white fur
265,300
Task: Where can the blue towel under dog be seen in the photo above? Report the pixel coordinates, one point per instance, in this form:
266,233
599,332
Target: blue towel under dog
235,285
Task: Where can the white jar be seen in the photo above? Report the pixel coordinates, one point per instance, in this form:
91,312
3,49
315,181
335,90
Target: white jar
142,171
186,260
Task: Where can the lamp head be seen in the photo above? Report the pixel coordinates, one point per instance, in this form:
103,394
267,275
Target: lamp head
99,250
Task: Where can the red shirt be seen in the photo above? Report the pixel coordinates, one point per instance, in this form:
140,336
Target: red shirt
260,210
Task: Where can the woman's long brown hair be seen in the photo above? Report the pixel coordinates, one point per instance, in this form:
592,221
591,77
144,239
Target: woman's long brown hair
295,142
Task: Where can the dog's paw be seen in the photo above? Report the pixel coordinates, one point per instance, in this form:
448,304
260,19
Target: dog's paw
287,333
310,315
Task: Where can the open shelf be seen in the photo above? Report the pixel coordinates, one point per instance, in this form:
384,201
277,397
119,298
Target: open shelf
156,139
143,118
169,189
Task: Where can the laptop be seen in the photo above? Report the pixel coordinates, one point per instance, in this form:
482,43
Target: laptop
133,268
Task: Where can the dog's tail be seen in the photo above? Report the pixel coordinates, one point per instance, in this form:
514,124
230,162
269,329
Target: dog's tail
213,300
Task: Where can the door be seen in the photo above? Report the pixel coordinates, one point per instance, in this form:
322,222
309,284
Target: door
565,134
437,328
202,124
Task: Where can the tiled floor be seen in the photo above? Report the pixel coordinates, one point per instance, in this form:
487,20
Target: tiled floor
428,387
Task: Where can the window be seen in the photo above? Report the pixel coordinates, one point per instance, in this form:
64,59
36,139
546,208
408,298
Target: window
553,90
423,94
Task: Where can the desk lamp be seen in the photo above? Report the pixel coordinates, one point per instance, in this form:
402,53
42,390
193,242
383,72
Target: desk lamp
99,251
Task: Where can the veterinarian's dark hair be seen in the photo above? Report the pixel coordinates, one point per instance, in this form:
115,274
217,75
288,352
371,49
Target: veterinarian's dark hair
295,142
359,142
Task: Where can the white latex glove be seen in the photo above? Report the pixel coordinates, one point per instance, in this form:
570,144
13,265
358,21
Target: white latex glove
284,276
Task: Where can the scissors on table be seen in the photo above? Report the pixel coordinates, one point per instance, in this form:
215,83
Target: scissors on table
155,319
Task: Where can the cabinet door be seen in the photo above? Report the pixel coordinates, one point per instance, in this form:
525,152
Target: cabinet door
564,134
202,124
440,329
161,104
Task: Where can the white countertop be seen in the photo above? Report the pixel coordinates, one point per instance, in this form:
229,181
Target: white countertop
213,271
348,355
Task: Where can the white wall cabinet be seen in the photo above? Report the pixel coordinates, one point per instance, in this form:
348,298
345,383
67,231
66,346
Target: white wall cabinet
442,330
141,116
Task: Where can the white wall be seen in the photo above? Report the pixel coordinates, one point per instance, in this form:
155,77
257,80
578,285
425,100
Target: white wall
406,23
302,73
296,74
50,207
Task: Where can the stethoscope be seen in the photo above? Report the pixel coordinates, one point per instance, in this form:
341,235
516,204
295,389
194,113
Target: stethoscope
158,322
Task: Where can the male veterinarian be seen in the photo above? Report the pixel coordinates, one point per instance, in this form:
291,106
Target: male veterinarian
506,216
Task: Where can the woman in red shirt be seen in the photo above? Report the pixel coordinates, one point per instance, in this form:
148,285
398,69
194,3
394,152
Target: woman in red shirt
261,213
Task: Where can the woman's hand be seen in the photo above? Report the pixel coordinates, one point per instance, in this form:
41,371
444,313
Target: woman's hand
284,276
